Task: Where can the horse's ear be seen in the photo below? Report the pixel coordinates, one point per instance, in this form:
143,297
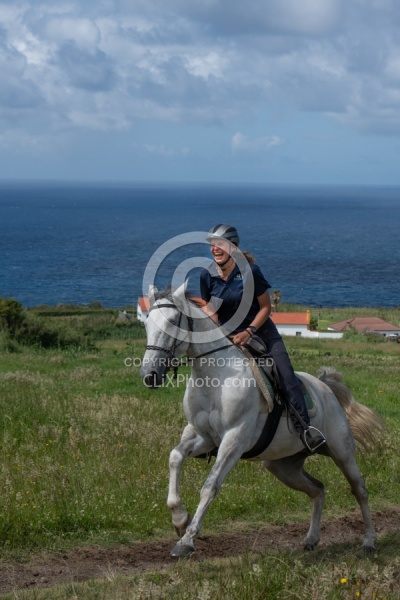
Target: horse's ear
152,292
179,296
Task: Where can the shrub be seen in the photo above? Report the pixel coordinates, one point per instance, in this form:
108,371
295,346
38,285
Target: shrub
354,336
11,314
104,327
95,305
7,343
39,331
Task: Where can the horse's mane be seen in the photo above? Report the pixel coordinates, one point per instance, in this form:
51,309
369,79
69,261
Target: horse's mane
166,294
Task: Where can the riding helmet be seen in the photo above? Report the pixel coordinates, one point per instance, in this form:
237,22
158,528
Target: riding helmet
225,232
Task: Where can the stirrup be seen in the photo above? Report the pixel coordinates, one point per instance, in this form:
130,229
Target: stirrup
318,440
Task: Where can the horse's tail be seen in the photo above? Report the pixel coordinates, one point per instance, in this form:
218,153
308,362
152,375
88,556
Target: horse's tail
365,424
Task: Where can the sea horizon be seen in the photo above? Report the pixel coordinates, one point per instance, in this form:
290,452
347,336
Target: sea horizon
81,242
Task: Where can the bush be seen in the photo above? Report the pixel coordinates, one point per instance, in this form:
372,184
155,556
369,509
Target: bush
104,327
63,326
95,305
353,336
38,331
7,344
11,314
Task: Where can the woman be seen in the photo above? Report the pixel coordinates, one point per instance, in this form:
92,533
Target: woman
224,287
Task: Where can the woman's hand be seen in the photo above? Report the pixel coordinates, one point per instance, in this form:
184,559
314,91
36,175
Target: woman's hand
241,338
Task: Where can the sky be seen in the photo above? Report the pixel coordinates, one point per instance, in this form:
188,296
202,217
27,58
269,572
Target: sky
263,91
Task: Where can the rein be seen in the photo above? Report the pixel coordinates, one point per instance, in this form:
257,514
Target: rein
171,351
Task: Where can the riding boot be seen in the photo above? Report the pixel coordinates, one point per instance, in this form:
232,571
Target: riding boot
312,438
291,390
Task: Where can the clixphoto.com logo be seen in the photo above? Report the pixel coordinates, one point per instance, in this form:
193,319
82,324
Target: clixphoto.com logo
175,379
187,381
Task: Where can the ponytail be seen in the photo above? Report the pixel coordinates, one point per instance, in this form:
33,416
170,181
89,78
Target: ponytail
249,257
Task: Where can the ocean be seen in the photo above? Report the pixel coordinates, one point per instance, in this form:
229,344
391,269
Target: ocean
78,243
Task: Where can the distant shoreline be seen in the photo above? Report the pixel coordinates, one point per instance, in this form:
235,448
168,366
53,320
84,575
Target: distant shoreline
283,307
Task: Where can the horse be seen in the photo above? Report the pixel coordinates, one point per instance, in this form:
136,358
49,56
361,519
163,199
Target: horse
229,413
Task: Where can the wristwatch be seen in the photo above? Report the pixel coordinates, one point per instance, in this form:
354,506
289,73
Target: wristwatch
252,329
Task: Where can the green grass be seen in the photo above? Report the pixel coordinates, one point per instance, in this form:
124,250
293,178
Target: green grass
270,575
84,459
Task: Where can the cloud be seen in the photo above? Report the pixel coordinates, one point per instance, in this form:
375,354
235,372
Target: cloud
83,32
308,17
258,145
91,71
108,64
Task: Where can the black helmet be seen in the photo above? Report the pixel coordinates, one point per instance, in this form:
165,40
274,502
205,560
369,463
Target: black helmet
225,232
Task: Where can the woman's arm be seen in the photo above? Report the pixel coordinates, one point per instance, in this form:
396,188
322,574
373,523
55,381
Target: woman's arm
264,302
205,291
209,309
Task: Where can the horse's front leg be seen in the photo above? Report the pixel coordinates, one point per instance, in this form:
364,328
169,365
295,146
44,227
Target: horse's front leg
191,444
229,453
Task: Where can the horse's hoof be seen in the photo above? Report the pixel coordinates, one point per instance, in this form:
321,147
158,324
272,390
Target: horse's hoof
180,531
182,550
369,550
309,547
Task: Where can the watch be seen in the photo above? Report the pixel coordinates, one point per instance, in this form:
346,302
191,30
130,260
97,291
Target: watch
252,329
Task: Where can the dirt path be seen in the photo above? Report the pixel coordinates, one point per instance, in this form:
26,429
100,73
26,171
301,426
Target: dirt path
90,562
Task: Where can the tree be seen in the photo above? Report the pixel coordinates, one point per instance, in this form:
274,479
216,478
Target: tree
11,314
276,297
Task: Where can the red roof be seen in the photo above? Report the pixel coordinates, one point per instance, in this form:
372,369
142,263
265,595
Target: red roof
364,325
291,318
144,303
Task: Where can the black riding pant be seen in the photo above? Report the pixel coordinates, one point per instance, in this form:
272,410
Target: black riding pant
289,382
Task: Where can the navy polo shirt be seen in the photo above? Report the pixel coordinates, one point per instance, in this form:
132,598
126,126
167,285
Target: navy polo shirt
231,291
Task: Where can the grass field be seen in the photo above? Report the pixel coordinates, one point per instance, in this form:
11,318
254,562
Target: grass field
84,460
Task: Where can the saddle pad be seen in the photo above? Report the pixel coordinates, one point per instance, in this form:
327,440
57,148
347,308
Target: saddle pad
307,397
308,400
270,388
267,381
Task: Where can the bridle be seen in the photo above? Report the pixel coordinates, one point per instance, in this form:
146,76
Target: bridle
171,351
172,360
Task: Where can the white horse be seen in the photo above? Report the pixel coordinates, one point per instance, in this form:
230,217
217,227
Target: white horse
230,413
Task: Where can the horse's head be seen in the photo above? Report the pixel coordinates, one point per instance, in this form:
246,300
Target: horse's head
168,329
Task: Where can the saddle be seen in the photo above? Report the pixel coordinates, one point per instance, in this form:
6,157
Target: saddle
262,363
265,363
259,353
270,387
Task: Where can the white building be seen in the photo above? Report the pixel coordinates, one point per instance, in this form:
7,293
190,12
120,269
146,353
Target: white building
298,324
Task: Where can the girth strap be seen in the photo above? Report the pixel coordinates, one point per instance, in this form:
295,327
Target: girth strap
267,434
266,437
